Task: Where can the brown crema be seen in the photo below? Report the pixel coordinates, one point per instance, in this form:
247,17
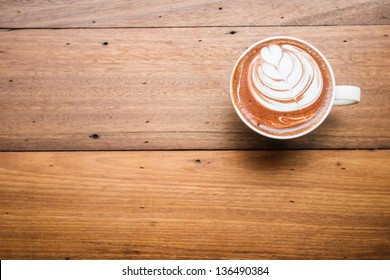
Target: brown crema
274,122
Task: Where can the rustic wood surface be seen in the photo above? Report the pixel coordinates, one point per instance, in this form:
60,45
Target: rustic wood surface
165,13
195,204
114,80
60,87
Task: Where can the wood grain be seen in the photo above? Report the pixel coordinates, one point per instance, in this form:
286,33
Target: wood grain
195,204
123,13
153,89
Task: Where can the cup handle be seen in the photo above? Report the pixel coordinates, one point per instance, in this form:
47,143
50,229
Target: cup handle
346,95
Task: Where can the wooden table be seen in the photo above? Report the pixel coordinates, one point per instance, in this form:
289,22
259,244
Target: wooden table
119,140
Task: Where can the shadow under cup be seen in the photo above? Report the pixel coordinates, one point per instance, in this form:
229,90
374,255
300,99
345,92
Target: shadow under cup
282,87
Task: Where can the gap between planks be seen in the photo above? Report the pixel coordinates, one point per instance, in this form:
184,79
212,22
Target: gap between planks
183,27
189,150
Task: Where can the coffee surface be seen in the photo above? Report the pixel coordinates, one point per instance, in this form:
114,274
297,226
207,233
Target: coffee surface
282,87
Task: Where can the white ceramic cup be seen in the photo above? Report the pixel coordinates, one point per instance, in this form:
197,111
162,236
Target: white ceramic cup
342,95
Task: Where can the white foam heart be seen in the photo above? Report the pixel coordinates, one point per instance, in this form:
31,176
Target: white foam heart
272,54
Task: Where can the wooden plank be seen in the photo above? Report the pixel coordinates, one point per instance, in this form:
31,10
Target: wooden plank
123,13
169,88
195,204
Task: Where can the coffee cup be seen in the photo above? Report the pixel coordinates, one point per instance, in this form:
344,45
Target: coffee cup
283,88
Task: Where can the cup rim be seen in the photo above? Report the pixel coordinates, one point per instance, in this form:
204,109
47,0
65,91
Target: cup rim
250,48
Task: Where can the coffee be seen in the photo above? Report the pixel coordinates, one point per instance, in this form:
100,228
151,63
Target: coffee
282,87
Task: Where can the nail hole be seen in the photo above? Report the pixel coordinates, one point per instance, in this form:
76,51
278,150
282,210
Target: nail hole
147,122
159,16
146,141
33,121
292,201
198,161
281,17
199,40
220,8
141,207
292,169
343,168
232,32
68,43
105,43
93,21
18,12
144,82
345,41
10,81
206,122
51,165
94,136
25,140
385,35
141,167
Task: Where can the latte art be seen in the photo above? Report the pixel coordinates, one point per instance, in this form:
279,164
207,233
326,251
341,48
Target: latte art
282,87
284,78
